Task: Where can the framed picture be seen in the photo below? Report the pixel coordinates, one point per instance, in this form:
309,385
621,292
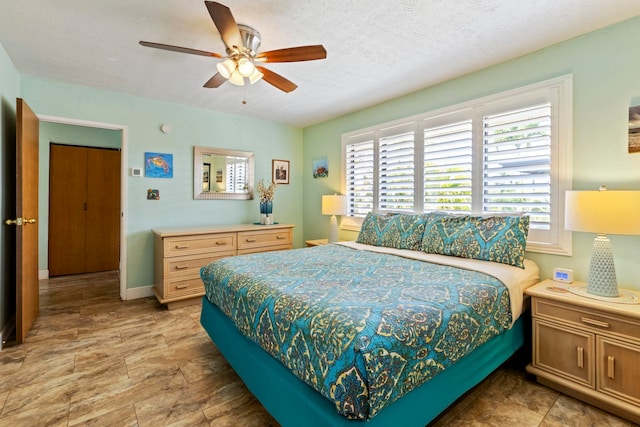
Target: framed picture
280,171
158,165
634,129
321,168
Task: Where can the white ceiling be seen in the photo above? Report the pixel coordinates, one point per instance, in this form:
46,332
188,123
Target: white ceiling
376,49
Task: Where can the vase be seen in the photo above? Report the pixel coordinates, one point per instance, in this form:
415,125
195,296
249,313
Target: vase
266,212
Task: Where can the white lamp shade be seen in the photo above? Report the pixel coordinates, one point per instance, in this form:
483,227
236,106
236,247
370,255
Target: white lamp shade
245,67
255,76
236,78
334,205
603,212
226,67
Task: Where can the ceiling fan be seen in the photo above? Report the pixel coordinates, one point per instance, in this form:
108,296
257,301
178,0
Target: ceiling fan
242,57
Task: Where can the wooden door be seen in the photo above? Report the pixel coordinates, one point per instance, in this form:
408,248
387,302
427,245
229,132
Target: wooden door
103,210
84,210
67,218
27,292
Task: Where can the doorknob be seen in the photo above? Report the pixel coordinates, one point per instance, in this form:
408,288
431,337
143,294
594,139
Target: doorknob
19,221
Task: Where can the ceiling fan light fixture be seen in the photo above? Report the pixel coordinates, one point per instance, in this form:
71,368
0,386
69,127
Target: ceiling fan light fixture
255,76
236,78
246,67
226,67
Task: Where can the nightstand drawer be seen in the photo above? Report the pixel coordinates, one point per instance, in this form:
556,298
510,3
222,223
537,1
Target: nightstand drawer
586,318
564,352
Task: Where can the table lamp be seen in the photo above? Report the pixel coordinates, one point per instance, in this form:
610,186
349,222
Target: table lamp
334,205
603,212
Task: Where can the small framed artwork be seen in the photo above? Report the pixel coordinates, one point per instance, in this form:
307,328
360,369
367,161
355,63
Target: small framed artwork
153,194
634,129
321,168
280,171
158,165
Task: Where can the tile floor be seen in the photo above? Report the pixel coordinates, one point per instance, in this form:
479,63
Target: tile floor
92,359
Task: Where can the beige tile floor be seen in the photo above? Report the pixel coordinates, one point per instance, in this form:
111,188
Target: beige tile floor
92,359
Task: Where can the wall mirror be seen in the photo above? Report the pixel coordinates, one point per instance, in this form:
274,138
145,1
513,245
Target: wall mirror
221,174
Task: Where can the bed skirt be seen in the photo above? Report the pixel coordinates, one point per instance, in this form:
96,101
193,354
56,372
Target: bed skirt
292,402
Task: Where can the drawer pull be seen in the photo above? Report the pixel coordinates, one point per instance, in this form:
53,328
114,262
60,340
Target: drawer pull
182,286
249,240
281,237
580,356
594,322
181,267
611,367
221,243
182,246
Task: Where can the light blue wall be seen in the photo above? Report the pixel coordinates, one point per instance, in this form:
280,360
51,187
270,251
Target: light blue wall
190,127
605,67
9,91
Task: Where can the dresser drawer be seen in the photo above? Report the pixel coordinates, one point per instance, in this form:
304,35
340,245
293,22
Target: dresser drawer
187,245
586,318
280,238
190,265
183,287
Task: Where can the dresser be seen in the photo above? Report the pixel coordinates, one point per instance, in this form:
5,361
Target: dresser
179,253
587,348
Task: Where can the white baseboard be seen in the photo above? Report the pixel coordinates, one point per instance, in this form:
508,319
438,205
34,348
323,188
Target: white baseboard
43,274
5,333
140,292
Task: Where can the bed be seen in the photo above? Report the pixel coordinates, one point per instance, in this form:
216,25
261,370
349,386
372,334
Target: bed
375,332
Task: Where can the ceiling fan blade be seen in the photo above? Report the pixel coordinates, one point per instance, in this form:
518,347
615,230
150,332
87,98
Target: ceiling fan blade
293,54
216,81
276,80
180,49
225,23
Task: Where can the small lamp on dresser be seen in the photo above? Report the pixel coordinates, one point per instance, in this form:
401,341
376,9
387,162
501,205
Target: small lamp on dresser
334,205
603,212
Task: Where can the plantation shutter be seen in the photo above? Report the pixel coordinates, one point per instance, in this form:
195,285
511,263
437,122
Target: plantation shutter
236,174
448,160
517,163
396,162
359,169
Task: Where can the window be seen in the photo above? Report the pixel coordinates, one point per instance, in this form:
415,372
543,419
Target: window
506,153
236,174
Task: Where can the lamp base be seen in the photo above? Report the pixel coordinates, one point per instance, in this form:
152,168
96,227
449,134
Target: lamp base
602,271
333,229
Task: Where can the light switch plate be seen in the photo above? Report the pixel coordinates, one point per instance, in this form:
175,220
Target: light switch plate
136,171
564,275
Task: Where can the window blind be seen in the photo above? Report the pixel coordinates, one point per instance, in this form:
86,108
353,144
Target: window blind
516,163
448,161
396,175
359,162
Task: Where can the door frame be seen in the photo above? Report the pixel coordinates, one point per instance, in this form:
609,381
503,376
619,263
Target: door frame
124,130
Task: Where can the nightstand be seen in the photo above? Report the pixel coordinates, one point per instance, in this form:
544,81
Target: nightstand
317,242
587,348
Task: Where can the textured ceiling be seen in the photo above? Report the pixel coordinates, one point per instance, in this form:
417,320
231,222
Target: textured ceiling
376,50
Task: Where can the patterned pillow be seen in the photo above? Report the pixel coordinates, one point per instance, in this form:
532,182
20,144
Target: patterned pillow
500,239
393,230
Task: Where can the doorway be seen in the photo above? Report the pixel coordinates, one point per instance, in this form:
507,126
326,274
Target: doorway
122,132
84,209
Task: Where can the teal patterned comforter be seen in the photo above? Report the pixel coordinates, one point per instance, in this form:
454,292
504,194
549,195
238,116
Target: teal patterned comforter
362,328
